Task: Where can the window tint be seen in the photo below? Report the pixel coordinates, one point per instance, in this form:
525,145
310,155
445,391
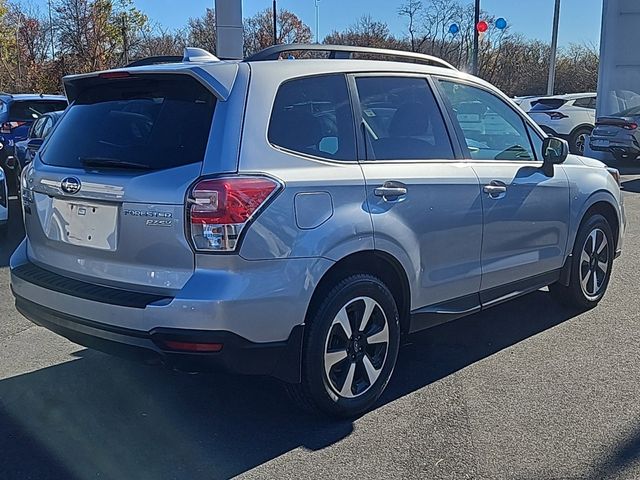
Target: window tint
536,140
547,104
402,119
313,116
491,128
589,102
28,110
151,121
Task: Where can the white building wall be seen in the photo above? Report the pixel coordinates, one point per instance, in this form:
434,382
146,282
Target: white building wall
619,75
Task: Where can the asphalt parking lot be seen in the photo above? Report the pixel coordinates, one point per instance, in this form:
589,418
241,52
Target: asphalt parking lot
527,390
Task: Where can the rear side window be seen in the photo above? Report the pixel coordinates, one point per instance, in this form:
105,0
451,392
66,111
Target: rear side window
589,102
149,122
547,104
313,116
29,110
402,119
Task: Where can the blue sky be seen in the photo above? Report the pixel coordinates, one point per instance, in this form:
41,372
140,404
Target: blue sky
579,22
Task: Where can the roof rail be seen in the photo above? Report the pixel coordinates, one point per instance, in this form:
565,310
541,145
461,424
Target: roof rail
344,52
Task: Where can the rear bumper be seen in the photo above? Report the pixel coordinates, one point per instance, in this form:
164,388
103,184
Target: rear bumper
237,355
614,146
256,309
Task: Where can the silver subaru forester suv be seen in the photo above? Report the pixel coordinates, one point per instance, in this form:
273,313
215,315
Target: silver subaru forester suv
298,217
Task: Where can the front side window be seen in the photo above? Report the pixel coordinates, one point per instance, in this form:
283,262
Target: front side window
36,129
492,129
313,116
47,127
402,119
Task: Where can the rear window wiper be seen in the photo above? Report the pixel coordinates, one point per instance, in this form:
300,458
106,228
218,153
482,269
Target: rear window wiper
112,163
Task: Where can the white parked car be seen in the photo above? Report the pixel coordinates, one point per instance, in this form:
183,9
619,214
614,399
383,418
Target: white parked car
4,203
571,117
526,102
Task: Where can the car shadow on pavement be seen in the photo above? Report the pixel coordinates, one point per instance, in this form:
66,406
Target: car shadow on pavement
97,416
631,185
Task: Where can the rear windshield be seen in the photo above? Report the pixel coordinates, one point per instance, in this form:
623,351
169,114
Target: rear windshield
150,122
629,112
29,110
547,104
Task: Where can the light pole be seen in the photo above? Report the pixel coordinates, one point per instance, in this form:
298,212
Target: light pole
554,49
476,39
275,23
53,50
317,2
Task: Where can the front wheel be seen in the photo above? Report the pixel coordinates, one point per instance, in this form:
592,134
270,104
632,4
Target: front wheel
591,265
350,350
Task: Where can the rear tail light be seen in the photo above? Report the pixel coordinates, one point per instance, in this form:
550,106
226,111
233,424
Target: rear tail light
630,126
220,208
556,115
114,75
7,127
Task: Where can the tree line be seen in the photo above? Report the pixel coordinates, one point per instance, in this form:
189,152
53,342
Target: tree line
40,45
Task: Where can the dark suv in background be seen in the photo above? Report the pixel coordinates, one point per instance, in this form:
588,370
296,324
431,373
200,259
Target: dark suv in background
17,114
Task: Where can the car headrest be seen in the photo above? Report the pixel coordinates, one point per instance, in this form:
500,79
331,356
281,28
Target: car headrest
410,120
295,129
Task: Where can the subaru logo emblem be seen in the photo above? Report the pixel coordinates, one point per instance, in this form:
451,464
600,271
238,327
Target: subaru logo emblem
71,185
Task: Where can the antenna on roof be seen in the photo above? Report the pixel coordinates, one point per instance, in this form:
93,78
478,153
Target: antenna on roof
193,54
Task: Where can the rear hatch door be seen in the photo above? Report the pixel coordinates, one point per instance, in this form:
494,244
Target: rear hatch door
107,194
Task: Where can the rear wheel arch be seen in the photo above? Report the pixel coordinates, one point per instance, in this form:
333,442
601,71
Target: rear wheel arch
373,262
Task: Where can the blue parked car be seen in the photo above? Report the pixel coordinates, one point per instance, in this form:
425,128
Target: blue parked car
24,150
17,114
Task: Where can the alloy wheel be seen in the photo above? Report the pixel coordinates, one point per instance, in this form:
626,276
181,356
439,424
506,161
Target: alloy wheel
356,347
594,263
581,140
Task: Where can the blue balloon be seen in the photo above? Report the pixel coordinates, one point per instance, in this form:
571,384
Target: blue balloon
501,23
454,28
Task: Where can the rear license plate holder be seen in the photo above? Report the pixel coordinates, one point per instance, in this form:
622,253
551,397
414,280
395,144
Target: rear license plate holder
86,224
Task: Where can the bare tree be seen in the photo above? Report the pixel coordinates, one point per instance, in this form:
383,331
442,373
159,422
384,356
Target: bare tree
411,9
258,30
202,31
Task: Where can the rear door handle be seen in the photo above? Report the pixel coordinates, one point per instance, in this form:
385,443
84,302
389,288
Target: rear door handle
391,190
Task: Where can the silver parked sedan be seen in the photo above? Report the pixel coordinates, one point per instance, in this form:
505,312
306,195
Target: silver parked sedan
296,218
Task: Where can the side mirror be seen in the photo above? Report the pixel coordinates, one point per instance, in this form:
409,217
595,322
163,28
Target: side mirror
34,144
554,152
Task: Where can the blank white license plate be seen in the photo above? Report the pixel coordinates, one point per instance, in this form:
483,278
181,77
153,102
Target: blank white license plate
86,224
600,143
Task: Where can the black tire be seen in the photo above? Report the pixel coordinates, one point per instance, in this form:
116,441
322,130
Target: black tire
574,295
577,140
318,391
